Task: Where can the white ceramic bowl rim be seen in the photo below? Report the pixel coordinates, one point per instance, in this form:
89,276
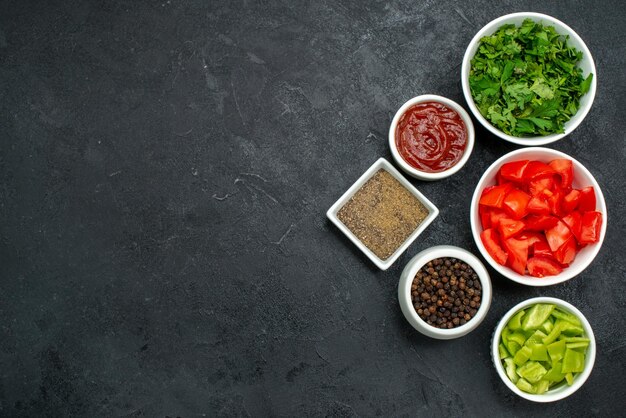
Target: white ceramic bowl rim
585,102
562,391
469,127
452,252
576,267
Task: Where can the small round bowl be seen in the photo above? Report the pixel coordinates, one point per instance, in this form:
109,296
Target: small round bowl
414,172
563,391
586,65
406,280
582,178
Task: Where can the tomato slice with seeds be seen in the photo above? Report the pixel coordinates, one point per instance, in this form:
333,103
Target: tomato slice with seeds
555,203
539,266
558,235
515,203
490,240
566,253
495,215
565,170
587,200
590,227
537,187
574,223
570,201
532,238
542,248
538,206
518,254
509,227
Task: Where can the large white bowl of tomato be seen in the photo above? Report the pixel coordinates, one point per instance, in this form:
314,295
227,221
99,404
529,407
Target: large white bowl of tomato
538,216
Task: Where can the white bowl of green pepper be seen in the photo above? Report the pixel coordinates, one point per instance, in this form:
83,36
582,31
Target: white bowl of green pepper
543,349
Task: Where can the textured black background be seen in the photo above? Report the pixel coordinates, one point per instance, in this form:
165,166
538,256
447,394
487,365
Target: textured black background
165,170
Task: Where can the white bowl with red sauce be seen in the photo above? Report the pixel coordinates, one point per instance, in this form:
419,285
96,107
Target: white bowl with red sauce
431,137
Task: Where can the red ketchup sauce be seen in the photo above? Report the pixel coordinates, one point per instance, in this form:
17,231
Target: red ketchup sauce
431,137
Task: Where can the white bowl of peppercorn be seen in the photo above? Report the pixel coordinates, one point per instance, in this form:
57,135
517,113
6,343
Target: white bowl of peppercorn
444,292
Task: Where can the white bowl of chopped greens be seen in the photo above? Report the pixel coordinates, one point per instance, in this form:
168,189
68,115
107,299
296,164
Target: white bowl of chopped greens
528,78
543,349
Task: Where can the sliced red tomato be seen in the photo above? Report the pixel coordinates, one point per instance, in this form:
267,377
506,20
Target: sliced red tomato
540,222
587,200
532,238
485,216
539,266
565,170
514,171
500,180
494,196
590,227
542,249
566,253
538,206
558,235
515,203
573,221
490,240
555,203
518,254
534,221
495,215
570,201
509,227
537,187
536,170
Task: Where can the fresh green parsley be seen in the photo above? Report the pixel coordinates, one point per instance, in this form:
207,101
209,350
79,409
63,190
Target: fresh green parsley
525,80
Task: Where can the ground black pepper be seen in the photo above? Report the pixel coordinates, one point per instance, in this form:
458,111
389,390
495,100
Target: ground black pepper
446,293
382,214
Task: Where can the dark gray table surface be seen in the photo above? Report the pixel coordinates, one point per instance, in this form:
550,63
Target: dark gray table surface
165,171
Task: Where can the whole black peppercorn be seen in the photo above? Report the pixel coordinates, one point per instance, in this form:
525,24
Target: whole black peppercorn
446,293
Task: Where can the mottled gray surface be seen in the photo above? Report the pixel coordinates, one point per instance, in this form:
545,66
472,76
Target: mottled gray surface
165,169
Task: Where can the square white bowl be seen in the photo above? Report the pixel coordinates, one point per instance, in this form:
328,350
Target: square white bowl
387,166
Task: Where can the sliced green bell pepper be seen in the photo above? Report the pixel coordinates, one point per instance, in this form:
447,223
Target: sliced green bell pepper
502,351
532,371
510,369
536,338
573,361
536,316
513,347
517,337
559,314
542,386
525,386
515,322
556,350
539,352
547,326
522,356
554,374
